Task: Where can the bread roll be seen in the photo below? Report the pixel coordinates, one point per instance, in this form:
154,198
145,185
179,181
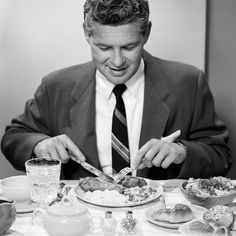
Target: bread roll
219,216
200,227
180,213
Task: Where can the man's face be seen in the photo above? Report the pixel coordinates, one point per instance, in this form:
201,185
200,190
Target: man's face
117,50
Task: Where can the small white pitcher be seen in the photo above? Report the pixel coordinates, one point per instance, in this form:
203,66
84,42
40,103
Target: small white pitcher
66,218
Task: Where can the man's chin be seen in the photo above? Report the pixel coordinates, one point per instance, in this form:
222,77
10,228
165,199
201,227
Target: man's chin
117,79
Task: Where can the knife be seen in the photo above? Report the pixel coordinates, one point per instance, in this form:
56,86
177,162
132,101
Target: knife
101,175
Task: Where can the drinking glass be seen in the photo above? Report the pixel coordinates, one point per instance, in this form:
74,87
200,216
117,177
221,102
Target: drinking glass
43,176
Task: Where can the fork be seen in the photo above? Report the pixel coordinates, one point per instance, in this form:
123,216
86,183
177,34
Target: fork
63,191
170,138
122,174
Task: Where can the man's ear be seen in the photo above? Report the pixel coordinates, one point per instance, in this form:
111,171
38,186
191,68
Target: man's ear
147,31
86,33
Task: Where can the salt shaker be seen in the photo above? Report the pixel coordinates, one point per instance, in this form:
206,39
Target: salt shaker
128,224
109,224
96,224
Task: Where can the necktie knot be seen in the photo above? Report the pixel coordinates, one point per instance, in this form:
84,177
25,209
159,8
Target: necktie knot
119,89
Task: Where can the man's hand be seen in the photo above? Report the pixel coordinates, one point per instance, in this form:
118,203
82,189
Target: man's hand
57,148
159,153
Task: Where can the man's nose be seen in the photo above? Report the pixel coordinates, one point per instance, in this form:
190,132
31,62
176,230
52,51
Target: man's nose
117,58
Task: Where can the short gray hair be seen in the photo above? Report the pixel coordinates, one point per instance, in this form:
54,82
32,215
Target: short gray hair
116,12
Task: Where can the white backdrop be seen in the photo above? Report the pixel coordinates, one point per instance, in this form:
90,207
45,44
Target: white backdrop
39,36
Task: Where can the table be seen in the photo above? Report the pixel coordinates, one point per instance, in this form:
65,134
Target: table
23,224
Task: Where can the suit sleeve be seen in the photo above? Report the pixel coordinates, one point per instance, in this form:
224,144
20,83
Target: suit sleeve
27,130
207,151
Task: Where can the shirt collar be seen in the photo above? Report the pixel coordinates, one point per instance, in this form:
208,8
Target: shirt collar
104,87
135,82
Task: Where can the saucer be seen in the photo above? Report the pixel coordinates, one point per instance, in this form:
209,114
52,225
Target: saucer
26,207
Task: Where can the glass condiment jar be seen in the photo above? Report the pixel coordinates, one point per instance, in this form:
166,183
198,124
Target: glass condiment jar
96,225
128,224
109,224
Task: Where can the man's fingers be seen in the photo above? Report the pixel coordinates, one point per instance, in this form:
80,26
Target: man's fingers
139,156
45,155
144,155
159,153
63,154
172,137
137,161
73,149
141,166
54,154
58,148
167,161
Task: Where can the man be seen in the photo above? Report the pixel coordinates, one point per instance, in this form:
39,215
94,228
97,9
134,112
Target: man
78,109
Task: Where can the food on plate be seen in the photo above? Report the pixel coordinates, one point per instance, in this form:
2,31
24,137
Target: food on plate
108,197
180,213
215,221
218,216
92,184
131,182
130,190
197,226
112,197
215,186
200,228
139,194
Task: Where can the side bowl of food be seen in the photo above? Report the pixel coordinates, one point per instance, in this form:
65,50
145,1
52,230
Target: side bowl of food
204,200
217,220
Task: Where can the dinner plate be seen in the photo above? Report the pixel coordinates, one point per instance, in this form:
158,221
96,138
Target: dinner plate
197,213
184,228
150,183
25,207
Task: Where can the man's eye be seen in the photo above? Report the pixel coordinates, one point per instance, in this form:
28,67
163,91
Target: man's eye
103,48
130,47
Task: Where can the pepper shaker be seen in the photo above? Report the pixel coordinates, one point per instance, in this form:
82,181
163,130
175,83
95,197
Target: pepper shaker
128,224
109,223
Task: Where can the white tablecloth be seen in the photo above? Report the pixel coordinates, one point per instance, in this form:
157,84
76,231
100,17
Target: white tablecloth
23,225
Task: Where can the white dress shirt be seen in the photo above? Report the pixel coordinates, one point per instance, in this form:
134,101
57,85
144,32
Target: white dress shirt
105,104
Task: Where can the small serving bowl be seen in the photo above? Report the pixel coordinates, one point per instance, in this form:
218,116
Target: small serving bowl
7,215
16,188
207,201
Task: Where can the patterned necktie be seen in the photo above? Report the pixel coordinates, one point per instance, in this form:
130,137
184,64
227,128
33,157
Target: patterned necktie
120,143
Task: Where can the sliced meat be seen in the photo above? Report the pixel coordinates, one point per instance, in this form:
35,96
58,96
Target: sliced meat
92,184
130,182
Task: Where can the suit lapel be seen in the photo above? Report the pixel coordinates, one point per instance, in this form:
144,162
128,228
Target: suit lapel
82,116
156,111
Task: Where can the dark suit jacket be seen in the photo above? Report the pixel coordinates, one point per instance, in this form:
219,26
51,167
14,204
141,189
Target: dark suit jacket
176,97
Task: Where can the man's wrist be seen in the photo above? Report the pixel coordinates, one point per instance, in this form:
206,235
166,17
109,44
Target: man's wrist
182,145
182,152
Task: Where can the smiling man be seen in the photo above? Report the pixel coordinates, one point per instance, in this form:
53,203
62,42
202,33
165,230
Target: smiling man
116,108
117,51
